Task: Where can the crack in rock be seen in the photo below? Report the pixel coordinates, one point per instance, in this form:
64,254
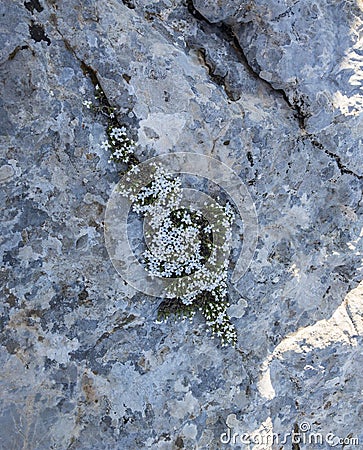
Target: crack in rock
16,50
229,35
89,72
337,159
217,79
86,68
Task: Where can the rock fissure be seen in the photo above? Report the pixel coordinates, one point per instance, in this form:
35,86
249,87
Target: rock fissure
226,31
342,168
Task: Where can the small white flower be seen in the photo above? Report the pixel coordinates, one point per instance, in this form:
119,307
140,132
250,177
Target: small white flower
106,145
87,104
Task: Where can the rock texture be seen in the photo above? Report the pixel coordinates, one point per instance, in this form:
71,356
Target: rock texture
271,88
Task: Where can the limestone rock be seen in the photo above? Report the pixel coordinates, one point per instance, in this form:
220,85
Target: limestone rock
273,90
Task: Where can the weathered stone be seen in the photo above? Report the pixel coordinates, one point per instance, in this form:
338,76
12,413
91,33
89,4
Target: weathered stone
273,90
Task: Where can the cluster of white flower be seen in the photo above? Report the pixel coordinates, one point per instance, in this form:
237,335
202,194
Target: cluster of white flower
182,246
102,105
120,145
218,320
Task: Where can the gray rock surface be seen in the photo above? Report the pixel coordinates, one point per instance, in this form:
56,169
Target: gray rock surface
272,89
